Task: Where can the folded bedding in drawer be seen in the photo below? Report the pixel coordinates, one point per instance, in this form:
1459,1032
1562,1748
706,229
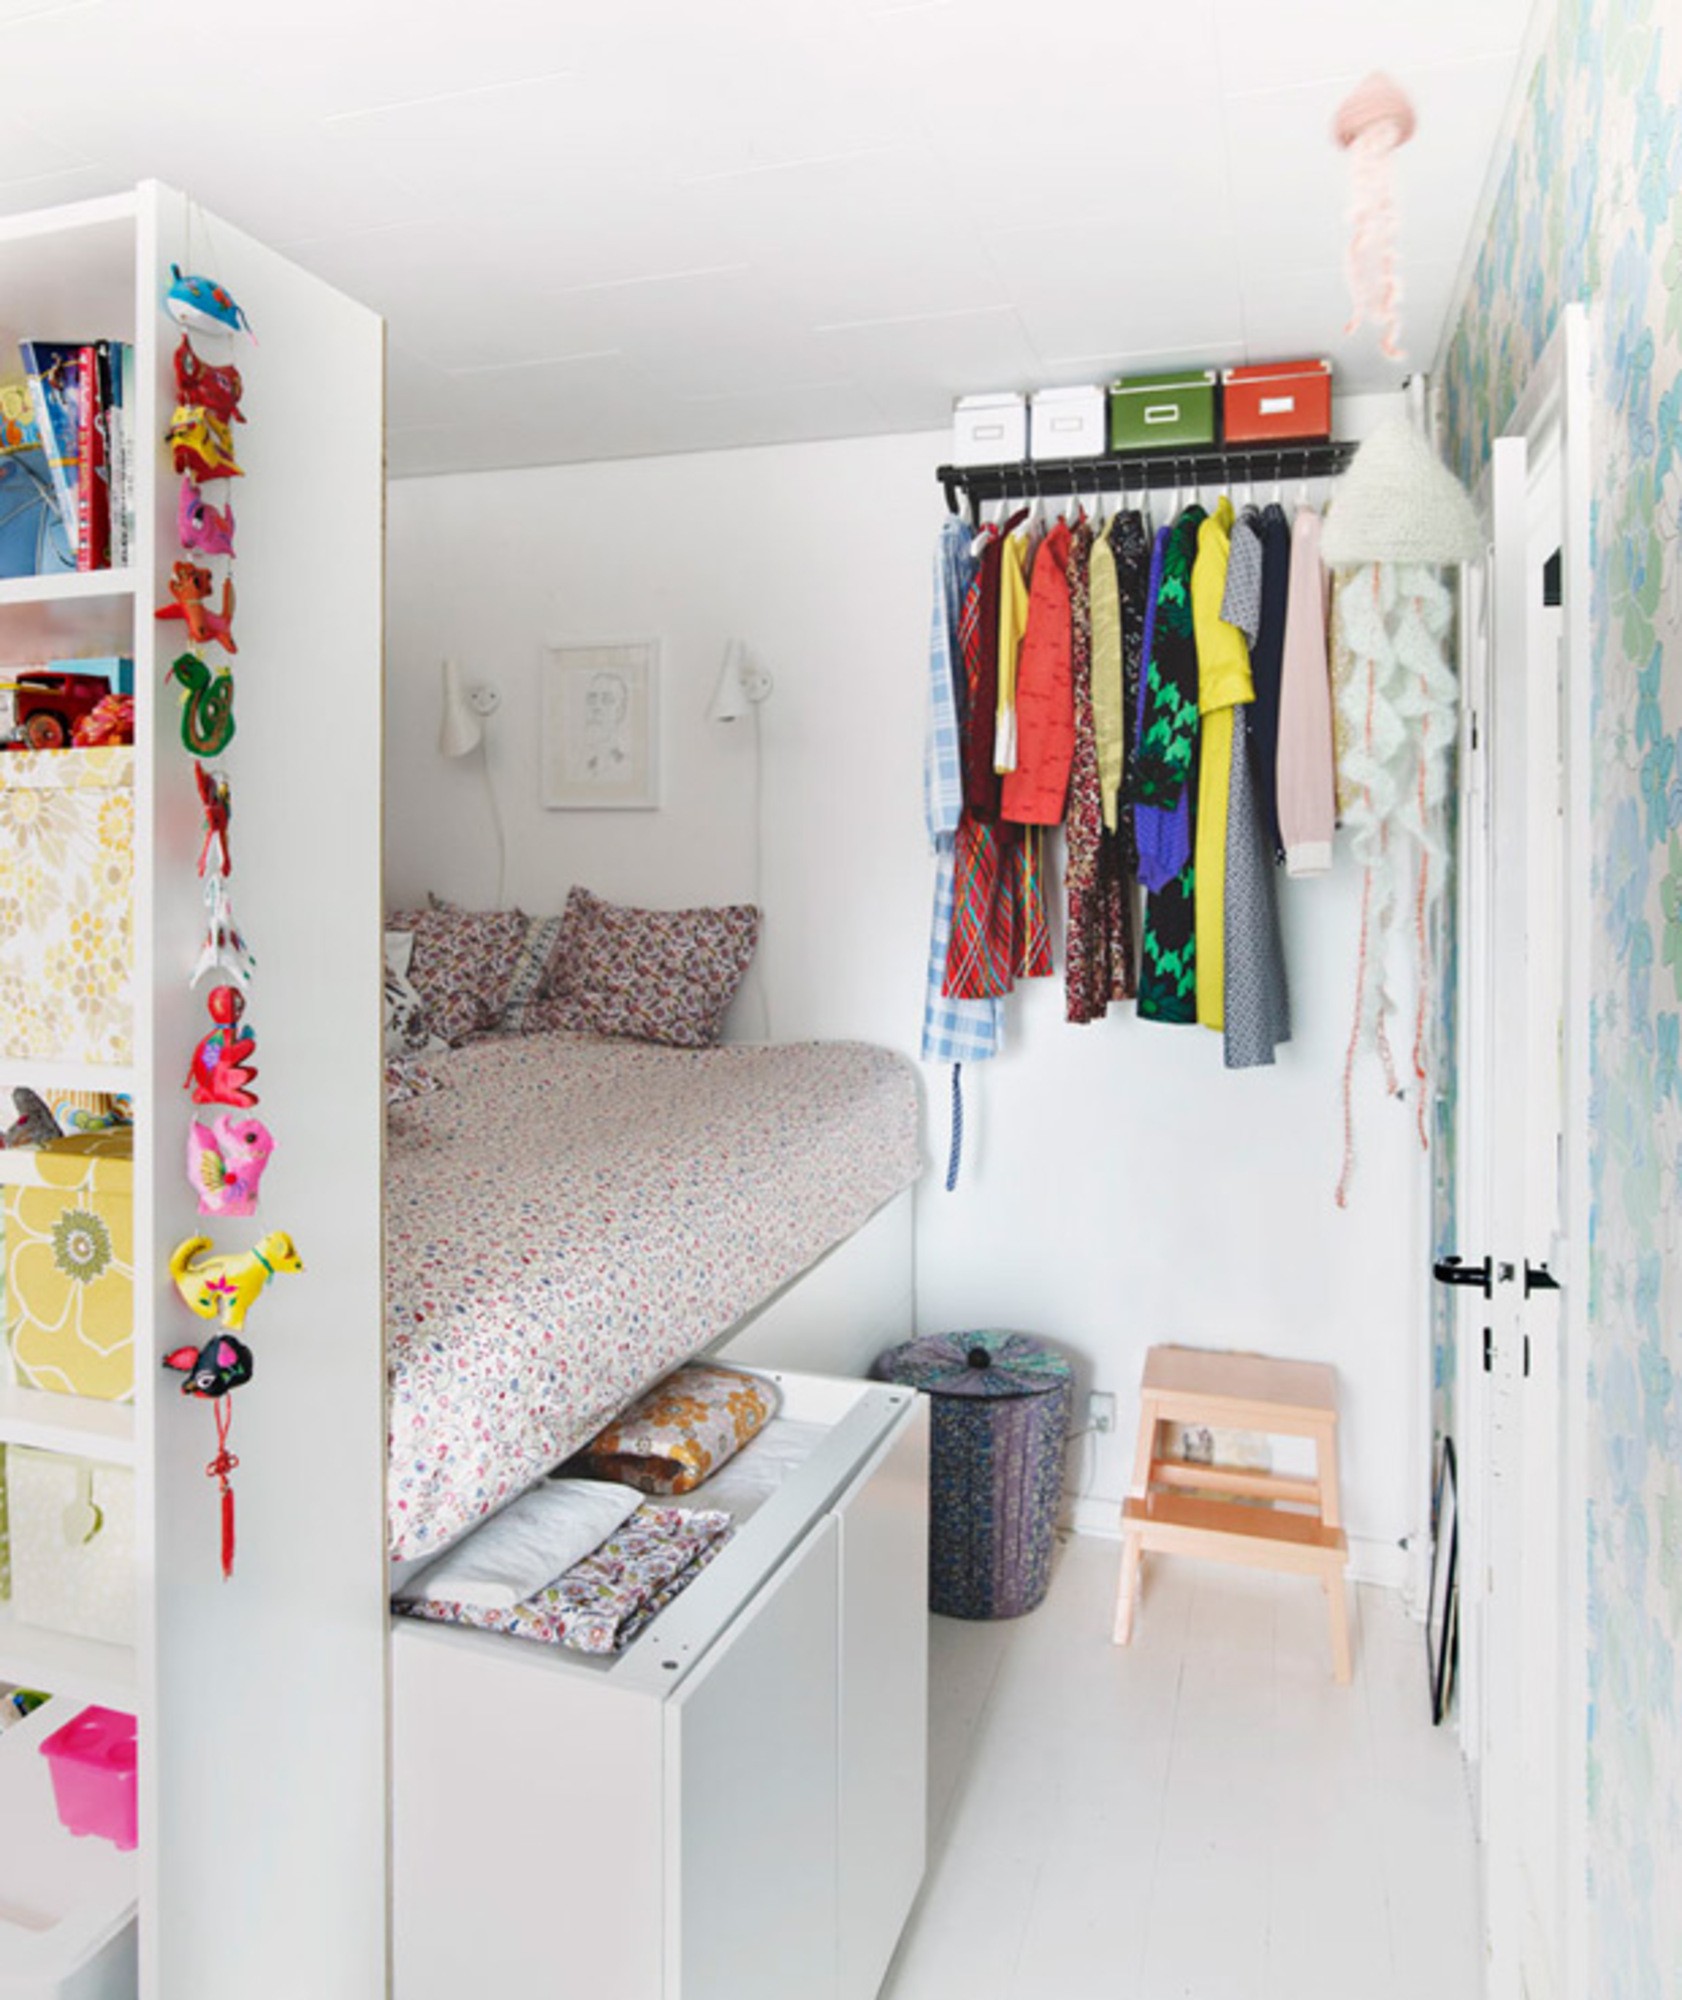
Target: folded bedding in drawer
681,1431
535,1538
602,1603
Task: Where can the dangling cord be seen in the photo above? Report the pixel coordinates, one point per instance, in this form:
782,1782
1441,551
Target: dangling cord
1347,1172
955,1155
218,1469
1381,1027
1420,1070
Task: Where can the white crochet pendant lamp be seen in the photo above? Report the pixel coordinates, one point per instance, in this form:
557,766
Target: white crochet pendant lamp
1398,503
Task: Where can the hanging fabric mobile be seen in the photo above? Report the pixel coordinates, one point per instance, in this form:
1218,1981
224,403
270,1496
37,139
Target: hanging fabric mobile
1371,122
1400,519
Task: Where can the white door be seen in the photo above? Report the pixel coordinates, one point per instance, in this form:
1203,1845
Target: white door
1525,1133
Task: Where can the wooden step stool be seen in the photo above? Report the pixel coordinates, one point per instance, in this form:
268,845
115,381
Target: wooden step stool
1185,1509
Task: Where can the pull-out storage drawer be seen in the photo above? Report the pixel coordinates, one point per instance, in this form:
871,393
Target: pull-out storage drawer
731,1808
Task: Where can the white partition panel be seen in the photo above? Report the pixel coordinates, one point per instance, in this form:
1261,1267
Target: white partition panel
264,1841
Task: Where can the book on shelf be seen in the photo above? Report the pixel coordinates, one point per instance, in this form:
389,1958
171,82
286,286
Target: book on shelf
54,368
34,540
120,446
83,399
93,465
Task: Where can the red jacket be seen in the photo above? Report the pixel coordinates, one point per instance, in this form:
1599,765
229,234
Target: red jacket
1034,793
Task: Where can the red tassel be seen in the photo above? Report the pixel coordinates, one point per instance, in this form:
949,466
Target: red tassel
218,1469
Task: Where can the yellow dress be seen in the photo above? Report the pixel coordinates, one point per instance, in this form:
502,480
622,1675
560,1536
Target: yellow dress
1013,622
1223,681
1107,679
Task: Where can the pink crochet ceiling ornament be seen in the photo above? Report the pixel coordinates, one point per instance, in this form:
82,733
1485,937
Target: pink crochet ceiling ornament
1372,121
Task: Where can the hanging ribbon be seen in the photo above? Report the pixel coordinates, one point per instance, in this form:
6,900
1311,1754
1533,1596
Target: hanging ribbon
219,1468
955,1155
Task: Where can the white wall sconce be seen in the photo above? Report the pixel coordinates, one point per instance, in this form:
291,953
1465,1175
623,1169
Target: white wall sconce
461,731
742,685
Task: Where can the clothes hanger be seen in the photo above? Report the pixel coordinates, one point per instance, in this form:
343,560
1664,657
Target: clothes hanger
1036,506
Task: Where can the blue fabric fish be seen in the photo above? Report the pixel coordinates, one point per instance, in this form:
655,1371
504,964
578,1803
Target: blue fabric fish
203,306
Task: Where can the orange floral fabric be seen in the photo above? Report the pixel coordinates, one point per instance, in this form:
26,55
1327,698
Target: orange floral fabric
681,1431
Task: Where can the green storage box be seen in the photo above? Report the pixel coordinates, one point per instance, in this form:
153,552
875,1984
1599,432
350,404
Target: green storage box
1162,412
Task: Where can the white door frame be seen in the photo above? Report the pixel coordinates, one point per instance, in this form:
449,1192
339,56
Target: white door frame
1557,395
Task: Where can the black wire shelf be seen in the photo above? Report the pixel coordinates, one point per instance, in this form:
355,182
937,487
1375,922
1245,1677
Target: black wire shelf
1152,471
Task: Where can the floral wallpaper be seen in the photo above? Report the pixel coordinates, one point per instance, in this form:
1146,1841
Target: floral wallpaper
1590,207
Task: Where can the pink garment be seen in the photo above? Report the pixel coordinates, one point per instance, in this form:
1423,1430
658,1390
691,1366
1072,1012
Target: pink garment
1306,767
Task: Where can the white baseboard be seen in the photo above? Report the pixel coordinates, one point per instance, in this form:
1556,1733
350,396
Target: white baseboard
1371,1559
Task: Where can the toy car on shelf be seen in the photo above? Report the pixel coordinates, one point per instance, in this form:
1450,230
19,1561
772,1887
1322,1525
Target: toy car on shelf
40,711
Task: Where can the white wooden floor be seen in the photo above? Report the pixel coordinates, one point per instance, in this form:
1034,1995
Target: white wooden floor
1204,1815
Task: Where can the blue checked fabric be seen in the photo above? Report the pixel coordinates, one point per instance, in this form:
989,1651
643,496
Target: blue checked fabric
953,1030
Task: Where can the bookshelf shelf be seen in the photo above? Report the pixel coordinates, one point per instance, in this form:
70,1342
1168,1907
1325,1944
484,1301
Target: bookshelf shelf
70,587
77,1424
81,615
46,1073
63,1664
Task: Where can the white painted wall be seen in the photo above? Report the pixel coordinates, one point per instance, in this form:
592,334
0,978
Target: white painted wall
1120,1187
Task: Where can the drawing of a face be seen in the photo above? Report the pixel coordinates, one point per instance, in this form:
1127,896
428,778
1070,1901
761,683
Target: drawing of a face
606,699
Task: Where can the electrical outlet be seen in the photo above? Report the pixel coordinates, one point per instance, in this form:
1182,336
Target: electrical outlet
1100,1411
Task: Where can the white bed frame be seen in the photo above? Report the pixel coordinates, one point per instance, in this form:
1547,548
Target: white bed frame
731,1809
840,1313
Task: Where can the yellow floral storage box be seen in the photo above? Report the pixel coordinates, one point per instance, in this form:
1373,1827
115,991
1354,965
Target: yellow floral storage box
72,1533
68,1227
66,929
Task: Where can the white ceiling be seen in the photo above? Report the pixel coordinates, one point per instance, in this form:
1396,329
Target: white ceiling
665,225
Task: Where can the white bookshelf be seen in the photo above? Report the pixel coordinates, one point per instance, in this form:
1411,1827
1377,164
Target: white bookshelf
120,1078
66,1665
80,1425
57,617
260,1699
80,588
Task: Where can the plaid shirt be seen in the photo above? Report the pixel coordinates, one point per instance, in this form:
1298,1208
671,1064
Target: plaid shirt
953,1030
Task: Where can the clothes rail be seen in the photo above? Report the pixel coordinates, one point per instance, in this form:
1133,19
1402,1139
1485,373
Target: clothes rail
1203,465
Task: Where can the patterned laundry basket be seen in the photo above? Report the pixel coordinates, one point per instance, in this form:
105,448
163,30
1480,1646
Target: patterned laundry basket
1000,1417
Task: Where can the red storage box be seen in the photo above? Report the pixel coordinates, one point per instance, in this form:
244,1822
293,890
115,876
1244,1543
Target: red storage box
1279,399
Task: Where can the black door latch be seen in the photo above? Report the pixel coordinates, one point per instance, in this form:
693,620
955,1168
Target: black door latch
1538,1278
1451,1271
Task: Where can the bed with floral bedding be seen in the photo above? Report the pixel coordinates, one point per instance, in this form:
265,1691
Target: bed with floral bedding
570,1216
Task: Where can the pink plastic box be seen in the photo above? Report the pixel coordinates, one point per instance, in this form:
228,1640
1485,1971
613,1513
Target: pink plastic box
93,1761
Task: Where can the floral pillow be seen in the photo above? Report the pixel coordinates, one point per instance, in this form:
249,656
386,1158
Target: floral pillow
462,962
406,1079
682,1430
657,975
407,1029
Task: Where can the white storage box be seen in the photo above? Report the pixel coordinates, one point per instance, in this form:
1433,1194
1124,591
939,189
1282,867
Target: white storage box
741,1791
67,1906
72,1537
989,430
1067,423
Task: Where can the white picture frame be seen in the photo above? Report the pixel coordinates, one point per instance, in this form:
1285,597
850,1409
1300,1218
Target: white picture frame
600,747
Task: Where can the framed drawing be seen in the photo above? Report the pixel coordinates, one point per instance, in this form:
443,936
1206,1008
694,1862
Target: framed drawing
601,744
1442,1623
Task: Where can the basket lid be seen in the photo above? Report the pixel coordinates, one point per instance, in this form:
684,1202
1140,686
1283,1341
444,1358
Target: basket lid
987,1364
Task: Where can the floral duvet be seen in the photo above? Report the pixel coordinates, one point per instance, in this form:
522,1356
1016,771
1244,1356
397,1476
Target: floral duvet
571,1217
